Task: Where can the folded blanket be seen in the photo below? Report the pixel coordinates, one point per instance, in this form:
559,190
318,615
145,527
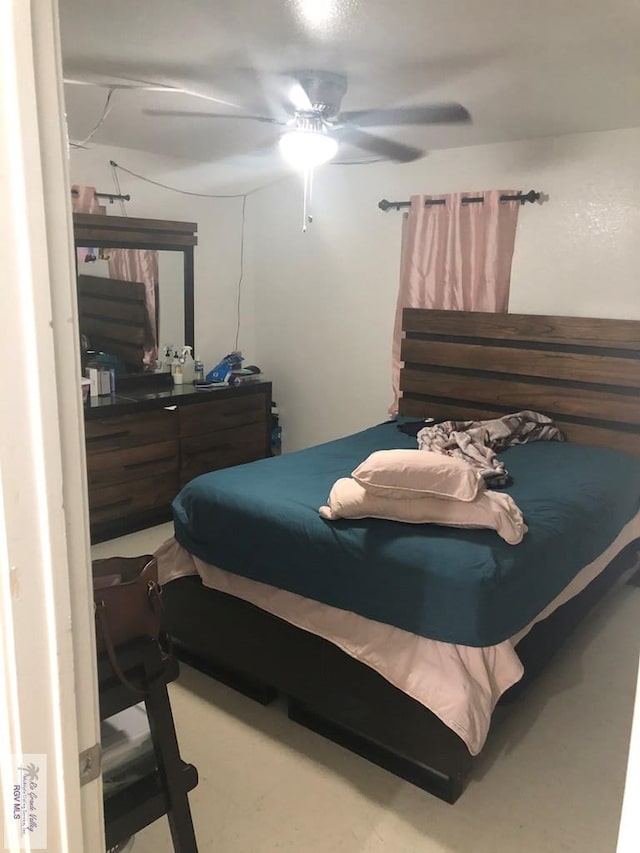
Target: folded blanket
476,442
493,510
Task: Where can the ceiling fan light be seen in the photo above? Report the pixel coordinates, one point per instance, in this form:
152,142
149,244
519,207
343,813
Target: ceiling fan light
303,149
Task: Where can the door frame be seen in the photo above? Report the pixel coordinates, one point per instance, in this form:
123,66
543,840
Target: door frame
47,644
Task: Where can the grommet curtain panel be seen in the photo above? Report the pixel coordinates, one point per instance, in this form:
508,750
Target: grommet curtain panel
454,256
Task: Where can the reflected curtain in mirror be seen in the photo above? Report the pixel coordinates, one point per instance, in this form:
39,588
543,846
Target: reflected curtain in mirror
141,266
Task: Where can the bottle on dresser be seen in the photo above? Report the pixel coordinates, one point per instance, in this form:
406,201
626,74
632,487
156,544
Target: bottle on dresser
176,369
188,366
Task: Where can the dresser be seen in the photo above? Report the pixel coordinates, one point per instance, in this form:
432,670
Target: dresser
144,445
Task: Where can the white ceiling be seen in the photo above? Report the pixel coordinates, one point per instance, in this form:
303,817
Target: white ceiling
523,68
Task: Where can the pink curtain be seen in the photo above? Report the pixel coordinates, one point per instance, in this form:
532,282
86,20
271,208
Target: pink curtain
454,256
83,200
141,265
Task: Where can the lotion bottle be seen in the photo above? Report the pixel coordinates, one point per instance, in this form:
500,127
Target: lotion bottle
176,369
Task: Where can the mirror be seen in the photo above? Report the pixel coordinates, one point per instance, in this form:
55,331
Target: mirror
135,289
114,314
170,299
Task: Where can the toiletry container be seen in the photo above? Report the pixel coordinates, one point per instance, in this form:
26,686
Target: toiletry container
178,372
175,361
188,366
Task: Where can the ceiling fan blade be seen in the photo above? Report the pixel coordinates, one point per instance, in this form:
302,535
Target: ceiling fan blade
297,98
284,91
197,114
394,116
379,145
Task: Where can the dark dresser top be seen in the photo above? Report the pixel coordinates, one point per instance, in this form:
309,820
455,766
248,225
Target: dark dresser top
145,398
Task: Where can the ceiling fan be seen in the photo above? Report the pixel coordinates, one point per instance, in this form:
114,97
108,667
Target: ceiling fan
309,106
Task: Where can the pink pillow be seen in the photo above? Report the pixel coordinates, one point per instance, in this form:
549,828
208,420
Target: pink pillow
494,510
416,473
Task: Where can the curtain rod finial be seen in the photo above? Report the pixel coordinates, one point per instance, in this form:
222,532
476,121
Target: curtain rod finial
384,204
531,196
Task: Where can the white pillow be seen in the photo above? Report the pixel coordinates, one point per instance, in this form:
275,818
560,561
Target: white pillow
416,473
494,510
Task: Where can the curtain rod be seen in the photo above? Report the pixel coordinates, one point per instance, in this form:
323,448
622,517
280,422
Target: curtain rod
111,196
531,196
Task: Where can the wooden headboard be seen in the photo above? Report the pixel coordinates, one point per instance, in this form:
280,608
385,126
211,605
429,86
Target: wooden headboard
582,372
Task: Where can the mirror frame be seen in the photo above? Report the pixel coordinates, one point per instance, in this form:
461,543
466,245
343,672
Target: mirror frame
127,232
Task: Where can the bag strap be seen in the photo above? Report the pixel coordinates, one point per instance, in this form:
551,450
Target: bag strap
164,639
156,604
111,653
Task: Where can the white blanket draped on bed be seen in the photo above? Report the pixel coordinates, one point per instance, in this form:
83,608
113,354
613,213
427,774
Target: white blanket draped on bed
459,684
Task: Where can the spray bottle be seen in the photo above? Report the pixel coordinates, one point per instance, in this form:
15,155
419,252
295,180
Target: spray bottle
188,366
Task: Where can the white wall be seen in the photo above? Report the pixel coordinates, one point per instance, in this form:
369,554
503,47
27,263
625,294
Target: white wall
326,299
317,308
217,255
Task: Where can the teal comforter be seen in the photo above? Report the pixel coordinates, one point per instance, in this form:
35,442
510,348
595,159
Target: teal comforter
461,586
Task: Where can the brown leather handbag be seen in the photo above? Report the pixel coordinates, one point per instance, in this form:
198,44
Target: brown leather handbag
127,604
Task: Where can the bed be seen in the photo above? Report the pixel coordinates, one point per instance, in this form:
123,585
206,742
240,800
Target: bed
466,594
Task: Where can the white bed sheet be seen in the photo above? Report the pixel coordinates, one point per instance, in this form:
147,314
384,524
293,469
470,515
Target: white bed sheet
459,684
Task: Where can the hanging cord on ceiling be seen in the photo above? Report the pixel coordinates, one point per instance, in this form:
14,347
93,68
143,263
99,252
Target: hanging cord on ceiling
244,196
306,198
105,112
116,182
190,192
244,206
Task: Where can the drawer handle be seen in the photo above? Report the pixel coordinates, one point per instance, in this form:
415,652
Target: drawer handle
112,504
210,449
134,465
121,434
245,410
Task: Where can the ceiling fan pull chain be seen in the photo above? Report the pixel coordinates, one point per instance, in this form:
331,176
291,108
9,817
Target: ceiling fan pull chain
305,178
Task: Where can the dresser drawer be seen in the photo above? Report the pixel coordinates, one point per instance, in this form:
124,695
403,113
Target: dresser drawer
221,449
120,466
130,430
107,503
223,413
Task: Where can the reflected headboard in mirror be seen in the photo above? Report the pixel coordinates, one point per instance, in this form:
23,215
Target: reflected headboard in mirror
113,312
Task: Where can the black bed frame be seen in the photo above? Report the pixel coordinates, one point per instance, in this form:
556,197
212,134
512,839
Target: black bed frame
339,697
583,372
